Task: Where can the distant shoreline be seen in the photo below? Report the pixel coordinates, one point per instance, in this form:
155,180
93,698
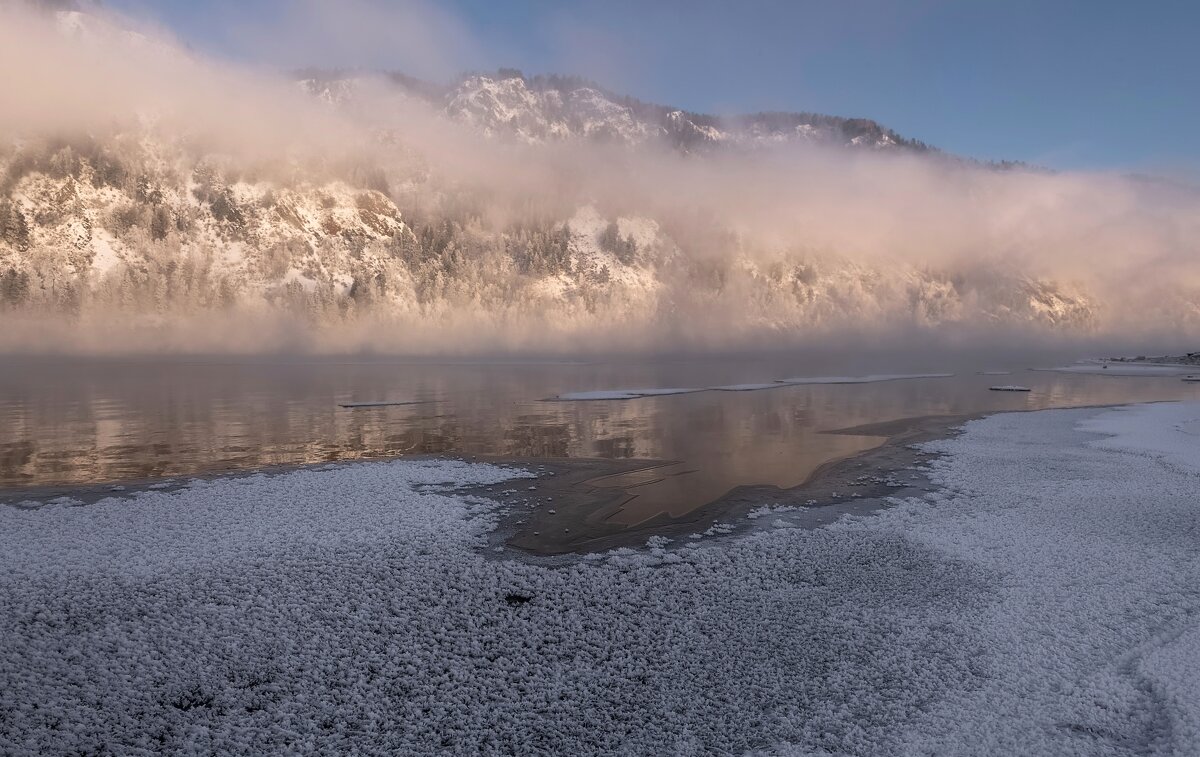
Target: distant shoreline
1190,358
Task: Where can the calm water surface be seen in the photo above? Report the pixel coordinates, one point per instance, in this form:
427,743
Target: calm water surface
85,422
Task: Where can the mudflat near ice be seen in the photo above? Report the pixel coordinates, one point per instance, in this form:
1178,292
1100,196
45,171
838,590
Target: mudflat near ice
1043,600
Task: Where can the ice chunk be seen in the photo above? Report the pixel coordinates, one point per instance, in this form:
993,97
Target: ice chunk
746,387
871,379
623,394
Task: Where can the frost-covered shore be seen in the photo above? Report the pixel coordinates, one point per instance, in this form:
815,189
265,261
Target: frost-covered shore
1044,601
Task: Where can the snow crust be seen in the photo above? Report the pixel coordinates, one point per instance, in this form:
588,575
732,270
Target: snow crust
1043,601
1092,638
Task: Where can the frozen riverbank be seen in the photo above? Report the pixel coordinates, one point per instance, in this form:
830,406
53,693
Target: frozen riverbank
1043,603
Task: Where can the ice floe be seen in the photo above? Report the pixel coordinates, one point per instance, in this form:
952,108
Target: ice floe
622,394
874,378
745,387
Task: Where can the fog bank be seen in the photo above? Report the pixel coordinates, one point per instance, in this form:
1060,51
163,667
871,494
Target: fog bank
157,199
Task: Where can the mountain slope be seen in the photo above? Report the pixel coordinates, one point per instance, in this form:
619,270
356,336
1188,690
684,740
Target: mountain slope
554,108
99,230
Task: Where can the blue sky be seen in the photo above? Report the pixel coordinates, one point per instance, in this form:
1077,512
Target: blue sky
1067,84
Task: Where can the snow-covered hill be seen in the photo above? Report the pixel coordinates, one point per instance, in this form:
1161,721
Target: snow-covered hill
555,108
89,230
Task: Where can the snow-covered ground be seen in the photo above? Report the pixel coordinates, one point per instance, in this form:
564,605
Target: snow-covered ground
1044,601
1087,520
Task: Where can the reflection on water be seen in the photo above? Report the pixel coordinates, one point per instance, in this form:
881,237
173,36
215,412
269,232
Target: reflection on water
88,422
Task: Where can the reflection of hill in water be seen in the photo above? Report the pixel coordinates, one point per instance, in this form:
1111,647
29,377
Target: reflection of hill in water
64,423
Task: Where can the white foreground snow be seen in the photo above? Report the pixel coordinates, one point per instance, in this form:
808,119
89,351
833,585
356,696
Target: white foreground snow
1047,601
1088,521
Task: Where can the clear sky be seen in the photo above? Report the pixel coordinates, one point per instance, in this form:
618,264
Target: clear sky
1067,83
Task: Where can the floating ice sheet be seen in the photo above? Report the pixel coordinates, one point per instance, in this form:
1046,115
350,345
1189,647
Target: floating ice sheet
746,387
623,394
874,378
